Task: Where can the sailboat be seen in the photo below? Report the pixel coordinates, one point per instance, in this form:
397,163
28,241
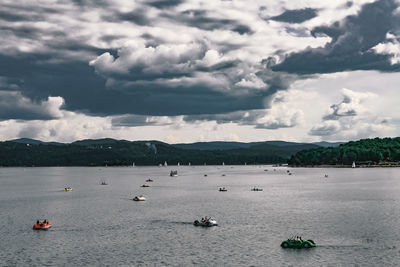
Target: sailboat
165,164
178,164
133,164
353,165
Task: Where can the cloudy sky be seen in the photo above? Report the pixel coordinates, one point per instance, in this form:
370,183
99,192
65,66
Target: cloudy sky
190,70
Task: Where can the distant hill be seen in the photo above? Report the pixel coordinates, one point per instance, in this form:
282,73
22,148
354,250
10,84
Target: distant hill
217,145
111,152
103,141
329,144
34,142
221,145
363,152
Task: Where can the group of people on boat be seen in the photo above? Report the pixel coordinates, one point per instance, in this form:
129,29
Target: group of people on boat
205,219
256,189
41,225
296,239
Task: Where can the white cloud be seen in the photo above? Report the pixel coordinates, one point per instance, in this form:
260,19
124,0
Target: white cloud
352,119
390,47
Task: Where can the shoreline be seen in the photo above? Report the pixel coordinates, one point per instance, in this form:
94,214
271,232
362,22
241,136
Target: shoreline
349,166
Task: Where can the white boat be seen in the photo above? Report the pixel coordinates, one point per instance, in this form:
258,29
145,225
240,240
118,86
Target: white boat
353,165
173,173
208,222
165,164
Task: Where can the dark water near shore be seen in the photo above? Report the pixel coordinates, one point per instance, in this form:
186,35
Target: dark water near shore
353,216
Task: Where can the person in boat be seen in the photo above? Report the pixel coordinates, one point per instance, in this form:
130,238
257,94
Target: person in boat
206,219
37,222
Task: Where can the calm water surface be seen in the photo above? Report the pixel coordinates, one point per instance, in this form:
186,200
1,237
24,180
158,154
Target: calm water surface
353,216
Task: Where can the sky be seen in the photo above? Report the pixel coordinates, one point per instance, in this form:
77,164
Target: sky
182,71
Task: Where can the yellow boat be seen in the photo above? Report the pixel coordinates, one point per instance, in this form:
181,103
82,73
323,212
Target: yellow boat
67,189
139,198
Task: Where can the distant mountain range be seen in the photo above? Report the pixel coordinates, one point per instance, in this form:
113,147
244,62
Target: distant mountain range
213,145
111,152
221,145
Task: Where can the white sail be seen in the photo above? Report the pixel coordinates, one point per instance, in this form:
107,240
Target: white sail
353,165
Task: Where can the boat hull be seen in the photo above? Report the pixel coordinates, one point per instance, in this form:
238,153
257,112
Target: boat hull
41,227
209,223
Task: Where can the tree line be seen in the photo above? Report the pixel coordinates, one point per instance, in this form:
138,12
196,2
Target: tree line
362,152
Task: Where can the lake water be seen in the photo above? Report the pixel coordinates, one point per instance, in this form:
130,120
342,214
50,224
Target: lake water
353,216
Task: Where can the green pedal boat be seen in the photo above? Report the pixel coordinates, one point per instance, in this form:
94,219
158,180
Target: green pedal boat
292,243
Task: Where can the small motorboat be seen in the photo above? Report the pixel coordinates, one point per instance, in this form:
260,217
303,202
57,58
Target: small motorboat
68,189
45,225
223,174
145,185
298,243
223,189
205,222
139,198
103,183
149,180
256,189
205,175
173,173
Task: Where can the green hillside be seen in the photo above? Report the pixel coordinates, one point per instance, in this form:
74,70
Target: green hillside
112,152
362,152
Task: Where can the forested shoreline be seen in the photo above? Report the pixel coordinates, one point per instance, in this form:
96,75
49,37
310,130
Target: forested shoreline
110,152
378,152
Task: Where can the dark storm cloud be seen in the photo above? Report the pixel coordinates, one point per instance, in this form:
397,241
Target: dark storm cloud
156,77
4,15
137,16
13,105
131,121
337,113
162,4
91,3
325,129
296,16
201,19
350,47
85,91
